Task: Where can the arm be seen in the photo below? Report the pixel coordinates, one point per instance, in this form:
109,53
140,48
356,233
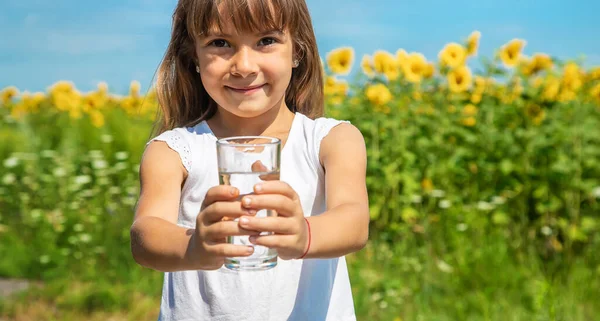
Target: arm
344,227
157,242
161,178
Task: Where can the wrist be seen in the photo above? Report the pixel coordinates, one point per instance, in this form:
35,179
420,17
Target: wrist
308,239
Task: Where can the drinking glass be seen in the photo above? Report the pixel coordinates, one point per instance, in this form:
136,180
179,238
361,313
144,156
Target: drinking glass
243,162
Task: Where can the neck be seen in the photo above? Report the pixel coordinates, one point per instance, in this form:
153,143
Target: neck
275,122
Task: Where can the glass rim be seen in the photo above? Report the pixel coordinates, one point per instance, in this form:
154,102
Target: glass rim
225,141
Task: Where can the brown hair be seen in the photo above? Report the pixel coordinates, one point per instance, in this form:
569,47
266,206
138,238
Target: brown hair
181,96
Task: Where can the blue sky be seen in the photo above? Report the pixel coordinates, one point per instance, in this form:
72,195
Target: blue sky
118,41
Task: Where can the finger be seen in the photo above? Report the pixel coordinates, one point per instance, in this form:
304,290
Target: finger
258,166
271,175
271,241
231,210
279,225
220,230
276,187
230,250
281,204
220,193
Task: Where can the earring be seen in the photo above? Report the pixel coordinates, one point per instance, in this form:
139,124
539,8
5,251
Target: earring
296,63
197,69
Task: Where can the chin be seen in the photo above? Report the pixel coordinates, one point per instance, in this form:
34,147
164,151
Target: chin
248,110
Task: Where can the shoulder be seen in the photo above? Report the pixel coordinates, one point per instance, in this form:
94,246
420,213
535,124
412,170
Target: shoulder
181,142
343,141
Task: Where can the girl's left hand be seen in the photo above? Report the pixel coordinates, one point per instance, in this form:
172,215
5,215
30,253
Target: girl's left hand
290,237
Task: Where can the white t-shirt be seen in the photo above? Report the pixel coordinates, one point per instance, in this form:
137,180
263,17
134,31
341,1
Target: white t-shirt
302,290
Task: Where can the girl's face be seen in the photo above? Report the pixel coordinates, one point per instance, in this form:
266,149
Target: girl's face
247,73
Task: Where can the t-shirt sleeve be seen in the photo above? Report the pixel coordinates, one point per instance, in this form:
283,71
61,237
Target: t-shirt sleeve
177,141
322,128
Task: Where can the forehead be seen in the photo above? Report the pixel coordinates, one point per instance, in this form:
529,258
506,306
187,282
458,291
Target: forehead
235,16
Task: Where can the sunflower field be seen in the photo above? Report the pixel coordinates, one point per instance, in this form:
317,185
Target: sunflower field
483,177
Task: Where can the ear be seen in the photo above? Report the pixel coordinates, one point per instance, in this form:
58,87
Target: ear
298,56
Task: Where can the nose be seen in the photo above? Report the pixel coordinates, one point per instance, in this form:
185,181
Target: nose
244,62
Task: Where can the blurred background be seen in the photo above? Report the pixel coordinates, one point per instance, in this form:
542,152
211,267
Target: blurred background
482,123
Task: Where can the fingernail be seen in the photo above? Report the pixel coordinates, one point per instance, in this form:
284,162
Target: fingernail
247,201
232,191
258,187
251,212
244,221
250,249
252,239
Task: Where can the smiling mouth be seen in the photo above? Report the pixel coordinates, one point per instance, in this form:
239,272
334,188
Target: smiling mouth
246,90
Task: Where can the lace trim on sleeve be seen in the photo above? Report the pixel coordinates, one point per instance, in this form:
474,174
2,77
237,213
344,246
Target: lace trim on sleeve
176,142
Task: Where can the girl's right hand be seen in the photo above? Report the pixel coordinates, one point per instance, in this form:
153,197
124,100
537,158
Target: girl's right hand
208,245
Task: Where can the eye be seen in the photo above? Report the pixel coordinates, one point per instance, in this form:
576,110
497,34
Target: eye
267,41
219,43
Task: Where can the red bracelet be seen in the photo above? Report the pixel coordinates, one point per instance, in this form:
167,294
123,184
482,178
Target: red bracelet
308,247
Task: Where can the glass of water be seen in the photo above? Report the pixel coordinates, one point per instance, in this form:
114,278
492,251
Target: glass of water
245,161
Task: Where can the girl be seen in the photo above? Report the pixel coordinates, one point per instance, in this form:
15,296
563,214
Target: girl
233,68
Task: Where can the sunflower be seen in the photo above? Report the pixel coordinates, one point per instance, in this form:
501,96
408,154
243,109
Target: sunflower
340,60
537,63
459,79
66,98
469,110
401,57
378,94
510,53
595,93
427,184
453,55
535,113
8,94
429,70
469,121
134,88
594,74
415,67
102,87
367,66
480,84
385,63
473,43
551,89
572,78
97,118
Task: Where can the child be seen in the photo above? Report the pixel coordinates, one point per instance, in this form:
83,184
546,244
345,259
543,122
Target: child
233,68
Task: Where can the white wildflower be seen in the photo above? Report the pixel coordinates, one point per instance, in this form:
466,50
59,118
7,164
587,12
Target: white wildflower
596,192
416,198
485,206
9,178
546,230
106,139
445,204
438,193
44,259
444,267
96,153
498,200
83,179
99,164
11,162
48,153
121,155
59,172
85,238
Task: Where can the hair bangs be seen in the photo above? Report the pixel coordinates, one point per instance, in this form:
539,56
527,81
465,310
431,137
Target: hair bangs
215,16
